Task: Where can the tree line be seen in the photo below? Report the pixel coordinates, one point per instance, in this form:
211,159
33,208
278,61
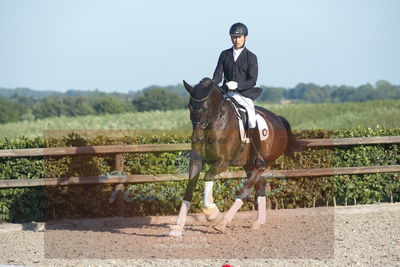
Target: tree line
19,105
21,108
312,93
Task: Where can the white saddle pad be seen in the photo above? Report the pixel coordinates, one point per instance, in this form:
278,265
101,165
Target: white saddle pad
262,127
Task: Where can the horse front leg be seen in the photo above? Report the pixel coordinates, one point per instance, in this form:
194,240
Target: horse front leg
211,210
195,167
253,177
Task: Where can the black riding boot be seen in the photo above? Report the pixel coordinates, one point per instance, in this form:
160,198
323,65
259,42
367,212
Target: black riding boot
256,139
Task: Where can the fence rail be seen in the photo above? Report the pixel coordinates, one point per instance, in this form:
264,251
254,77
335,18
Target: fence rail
141,178
113,149
120,180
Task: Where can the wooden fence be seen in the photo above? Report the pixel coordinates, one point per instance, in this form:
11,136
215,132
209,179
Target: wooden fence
121,180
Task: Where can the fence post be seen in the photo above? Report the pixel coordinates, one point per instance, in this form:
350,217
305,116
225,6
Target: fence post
119,200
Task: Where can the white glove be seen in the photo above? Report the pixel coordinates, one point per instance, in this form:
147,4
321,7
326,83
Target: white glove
232,85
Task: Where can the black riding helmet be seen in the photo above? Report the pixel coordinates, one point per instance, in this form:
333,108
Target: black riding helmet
238,29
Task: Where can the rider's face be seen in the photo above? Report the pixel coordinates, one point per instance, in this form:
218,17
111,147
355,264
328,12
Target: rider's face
238,41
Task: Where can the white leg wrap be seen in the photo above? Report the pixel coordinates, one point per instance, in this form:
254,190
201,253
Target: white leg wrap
232,211
177,229
208,199
183,213
262,206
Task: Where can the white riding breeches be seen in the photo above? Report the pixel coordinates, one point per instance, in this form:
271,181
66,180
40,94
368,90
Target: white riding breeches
248,104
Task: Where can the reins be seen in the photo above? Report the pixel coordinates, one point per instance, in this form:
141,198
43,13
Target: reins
203,124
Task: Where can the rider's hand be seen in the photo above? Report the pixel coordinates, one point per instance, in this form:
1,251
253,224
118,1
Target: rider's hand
232,85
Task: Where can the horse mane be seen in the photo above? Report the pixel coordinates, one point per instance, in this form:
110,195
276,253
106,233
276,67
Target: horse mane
206,82
203,88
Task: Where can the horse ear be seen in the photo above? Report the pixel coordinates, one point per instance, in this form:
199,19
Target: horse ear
188,87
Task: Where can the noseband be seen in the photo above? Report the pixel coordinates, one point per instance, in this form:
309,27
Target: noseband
203,124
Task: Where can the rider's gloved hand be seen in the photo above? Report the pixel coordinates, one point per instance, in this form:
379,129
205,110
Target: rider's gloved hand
232,85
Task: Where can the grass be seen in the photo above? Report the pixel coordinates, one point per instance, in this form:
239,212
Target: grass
300,115
385,113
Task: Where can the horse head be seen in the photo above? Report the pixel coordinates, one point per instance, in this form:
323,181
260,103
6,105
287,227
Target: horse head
205,98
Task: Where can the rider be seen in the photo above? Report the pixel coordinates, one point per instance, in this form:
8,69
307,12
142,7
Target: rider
239,68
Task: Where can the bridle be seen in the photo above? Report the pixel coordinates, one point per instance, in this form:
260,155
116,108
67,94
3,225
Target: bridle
203,124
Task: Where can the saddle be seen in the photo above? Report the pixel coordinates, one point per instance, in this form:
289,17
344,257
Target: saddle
241,113
243,119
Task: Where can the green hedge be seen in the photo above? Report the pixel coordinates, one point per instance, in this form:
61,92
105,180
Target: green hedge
38,204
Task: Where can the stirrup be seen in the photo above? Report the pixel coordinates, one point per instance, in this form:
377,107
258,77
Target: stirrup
259,162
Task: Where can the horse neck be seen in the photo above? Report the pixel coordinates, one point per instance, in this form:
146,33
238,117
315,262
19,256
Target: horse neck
223,109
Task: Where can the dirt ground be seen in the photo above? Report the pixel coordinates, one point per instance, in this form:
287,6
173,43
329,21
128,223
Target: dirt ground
354,235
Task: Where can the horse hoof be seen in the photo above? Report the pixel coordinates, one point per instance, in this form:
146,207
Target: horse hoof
211,213
255,225
176,231
221,226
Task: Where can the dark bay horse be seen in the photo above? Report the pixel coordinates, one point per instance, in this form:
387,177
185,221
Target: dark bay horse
216,140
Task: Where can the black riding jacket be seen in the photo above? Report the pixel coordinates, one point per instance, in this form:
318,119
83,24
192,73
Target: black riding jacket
244,71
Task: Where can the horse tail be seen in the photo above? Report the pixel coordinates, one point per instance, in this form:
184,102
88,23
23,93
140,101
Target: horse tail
294,144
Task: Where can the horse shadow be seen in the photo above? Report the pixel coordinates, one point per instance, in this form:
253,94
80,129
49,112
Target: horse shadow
138,226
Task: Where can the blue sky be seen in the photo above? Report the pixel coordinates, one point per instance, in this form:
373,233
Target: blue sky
124,45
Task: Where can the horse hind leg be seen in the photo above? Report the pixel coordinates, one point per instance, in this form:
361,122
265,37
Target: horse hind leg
221,226
261,205
243,193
